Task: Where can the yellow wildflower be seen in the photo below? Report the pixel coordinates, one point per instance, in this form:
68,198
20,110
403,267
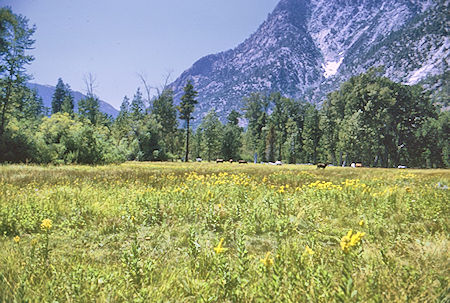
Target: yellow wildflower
345,241
46,224
308,251
361,223
267,261
219,249
351,240
16,239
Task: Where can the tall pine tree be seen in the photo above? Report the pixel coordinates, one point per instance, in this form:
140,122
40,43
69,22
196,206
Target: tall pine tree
58,96
186,109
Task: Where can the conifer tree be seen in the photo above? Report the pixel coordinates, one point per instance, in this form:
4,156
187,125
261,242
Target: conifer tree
232,133
137,107
165,114
212,133
89,108
186,109
311,133
15,41
58,96
67,105
256,107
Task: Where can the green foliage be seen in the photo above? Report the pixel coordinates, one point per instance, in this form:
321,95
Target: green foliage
212,132
62,100
67,105
137,108
372,119
15,38
165,114
280,118
151,147
311,134
256,107
17,144
89,108
64,140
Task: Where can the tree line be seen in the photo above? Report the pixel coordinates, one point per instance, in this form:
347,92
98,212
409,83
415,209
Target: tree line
370,119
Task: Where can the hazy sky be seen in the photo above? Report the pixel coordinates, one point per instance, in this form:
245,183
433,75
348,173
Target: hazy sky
117,40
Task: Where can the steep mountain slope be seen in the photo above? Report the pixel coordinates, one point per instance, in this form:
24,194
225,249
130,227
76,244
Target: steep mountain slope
306,48
46,92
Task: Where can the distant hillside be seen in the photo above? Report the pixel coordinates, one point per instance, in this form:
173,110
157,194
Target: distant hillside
46,92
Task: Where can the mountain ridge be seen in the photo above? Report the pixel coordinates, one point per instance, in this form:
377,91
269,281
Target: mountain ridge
306,48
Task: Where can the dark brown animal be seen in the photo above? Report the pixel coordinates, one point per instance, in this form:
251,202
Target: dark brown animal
242,162
321,165
219,161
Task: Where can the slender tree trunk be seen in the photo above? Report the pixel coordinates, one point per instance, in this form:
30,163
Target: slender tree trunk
5,106
279,150
186,158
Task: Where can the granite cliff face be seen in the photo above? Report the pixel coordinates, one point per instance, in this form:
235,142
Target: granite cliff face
306,48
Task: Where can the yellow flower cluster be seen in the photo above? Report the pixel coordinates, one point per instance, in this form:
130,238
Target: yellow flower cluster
283,188
267,261
223,178
16,239
46,224
351,239
219,248
355,184
322,185
387,191
406,176
308,251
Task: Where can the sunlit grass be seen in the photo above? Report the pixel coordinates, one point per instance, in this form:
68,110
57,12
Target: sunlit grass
223,232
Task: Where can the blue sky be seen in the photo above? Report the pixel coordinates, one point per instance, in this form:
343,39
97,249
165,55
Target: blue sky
117,40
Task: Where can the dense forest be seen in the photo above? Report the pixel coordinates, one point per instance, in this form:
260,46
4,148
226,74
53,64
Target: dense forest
370,119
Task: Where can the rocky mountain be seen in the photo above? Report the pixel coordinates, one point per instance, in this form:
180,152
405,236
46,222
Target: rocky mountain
46,92
306,48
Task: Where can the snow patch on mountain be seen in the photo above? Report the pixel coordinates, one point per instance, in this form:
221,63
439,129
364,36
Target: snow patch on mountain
331,67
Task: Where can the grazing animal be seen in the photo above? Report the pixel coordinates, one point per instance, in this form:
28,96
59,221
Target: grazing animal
359,165
231,160
219,161
242,162
321,165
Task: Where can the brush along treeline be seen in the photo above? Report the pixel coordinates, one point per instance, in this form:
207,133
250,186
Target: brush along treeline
159,232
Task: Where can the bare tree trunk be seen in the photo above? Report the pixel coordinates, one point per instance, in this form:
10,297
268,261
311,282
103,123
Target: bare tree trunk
279,150
5,104
186,158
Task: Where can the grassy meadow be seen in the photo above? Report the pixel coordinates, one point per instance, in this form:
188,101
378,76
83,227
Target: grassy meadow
206,232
